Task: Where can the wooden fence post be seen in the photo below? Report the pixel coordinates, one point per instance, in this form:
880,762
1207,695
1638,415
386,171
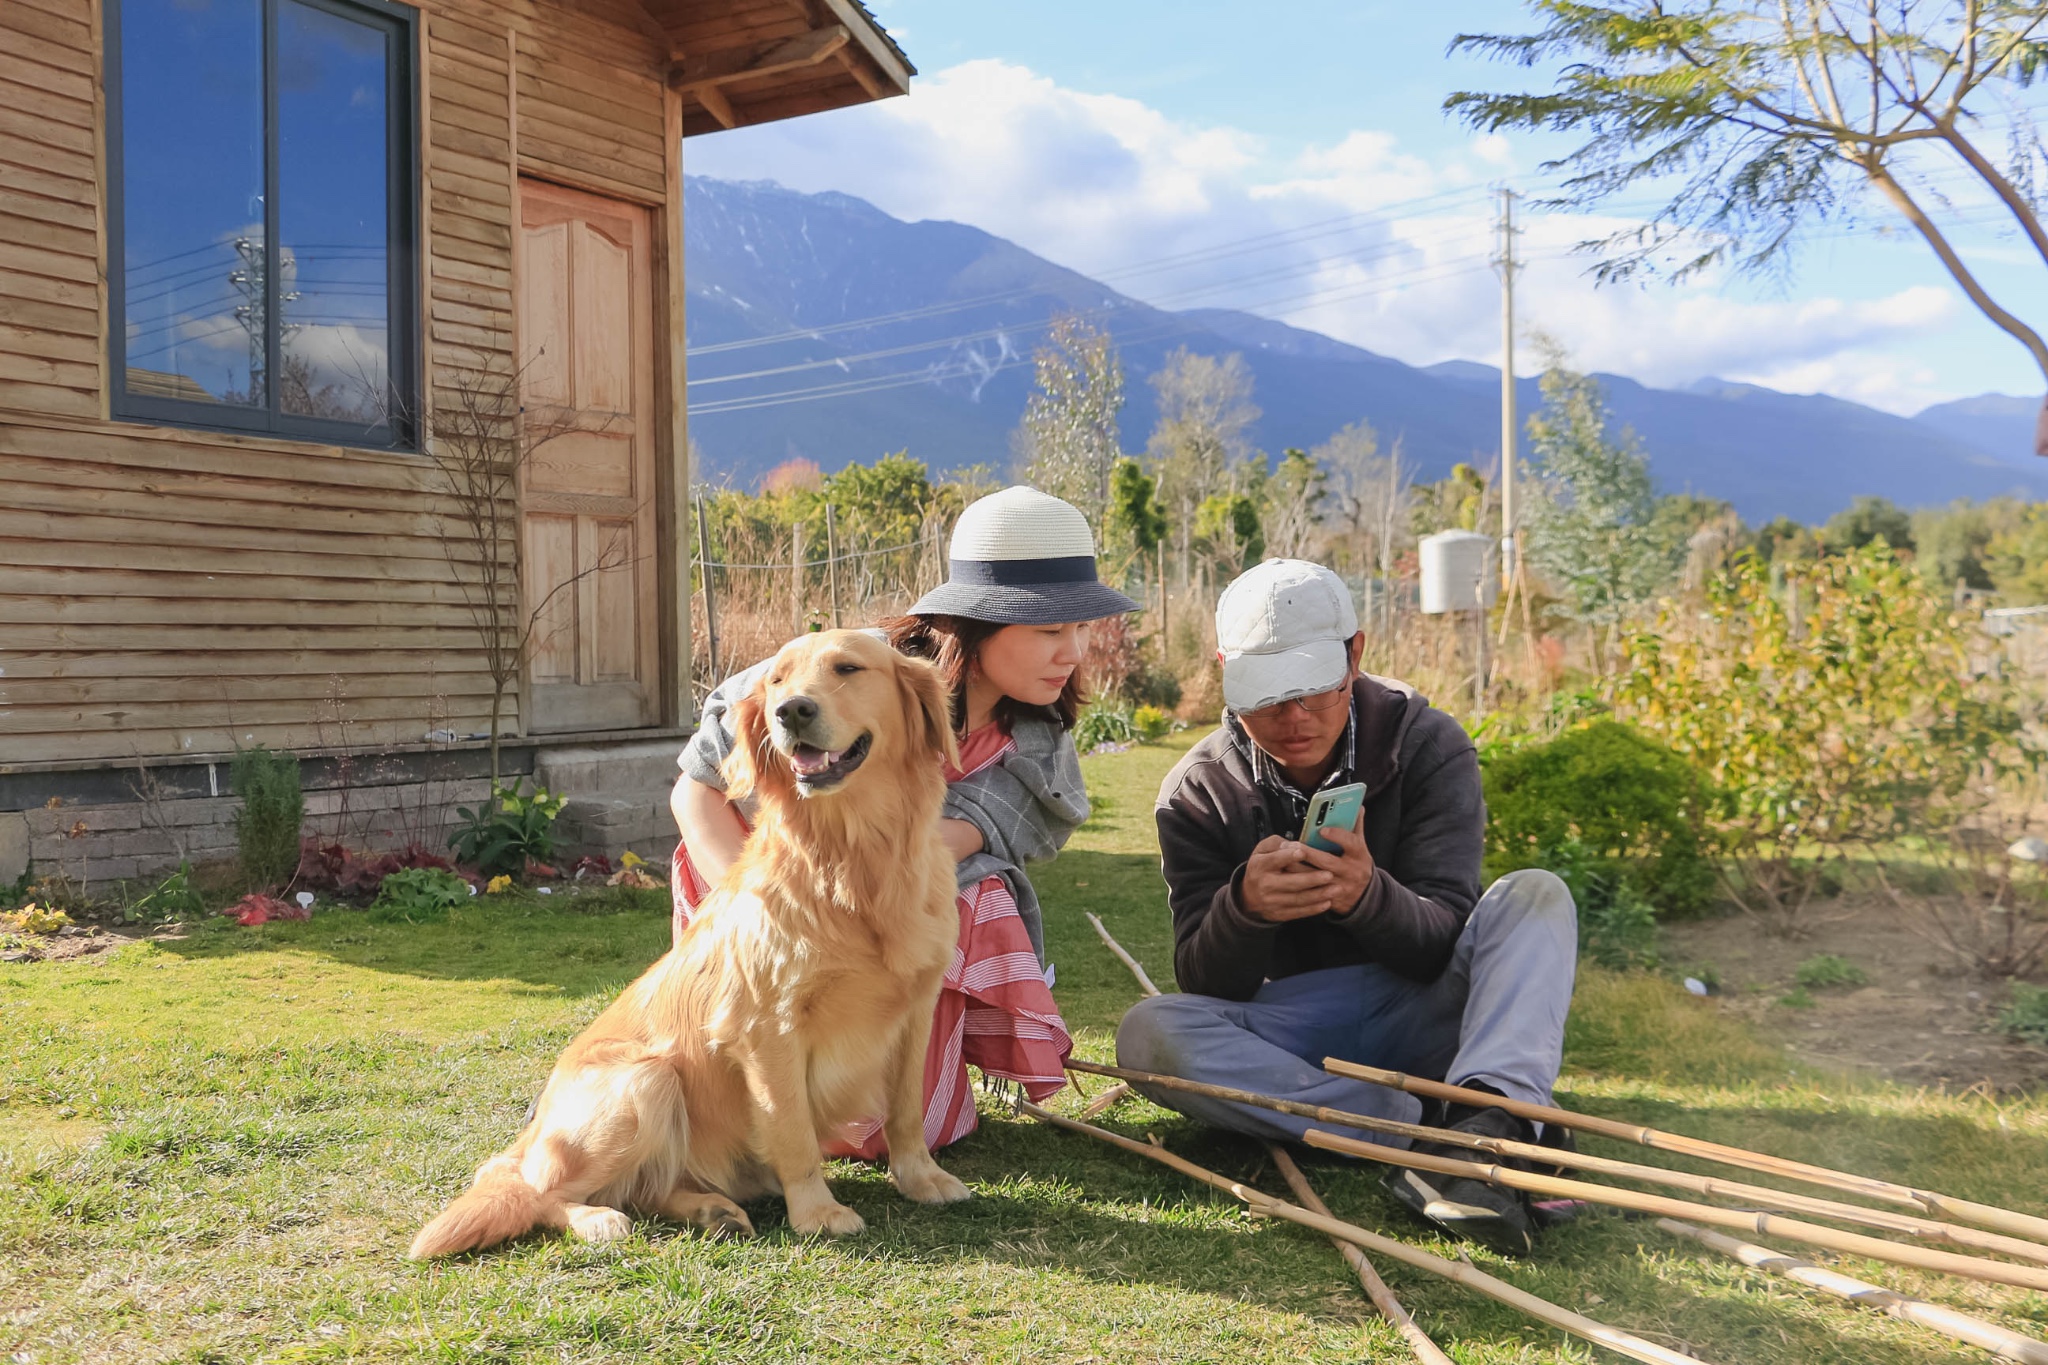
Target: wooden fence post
796,574
832,558
710,594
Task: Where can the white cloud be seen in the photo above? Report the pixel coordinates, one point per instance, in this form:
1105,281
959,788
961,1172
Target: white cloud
1356,238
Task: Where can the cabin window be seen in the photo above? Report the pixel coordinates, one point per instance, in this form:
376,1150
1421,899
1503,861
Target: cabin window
263,215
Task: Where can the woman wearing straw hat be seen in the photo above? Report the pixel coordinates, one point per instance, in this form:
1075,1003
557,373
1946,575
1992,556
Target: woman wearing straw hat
1008,629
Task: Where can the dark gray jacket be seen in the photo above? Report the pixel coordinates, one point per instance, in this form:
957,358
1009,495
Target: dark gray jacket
1425,822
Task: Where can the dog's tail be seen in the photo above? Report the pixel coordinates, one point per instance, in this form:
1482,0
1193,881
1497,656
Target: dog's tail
497,1208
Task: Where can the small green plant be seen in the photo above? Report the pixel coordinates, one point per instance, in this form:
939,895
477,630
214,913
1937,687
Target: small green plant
1825,969
2026,1014
503,835
416,894
1604,807
1796,999
1618,929
172,898
273,809
1102,723
1151,723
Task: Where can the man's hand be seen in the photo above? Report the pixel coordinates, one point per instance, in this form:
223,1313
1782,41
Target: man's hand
1281,885
1350,869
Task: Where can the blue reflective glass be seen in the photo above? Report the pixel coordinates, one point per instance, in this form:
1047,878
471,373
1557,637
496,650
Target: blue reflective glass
192,198
333,110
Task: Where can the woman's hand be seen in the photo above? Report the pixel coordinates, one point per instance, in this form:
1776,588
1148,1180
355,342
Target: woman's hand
711,828
961,838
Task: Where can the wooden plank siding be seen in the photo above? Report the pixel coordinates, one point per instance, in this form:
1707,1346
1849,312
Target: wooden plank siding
170,592
167,591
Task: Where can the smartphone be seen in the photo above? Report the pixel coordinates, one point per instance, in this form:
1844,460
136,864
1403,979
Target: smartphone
1337,806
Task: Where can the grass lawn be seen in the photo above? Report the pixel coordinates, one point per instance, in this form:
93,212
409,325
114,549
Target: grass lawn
216,1149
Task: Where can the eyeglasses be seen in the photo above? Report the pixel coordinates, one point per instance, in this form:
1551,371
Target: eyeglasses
1312,703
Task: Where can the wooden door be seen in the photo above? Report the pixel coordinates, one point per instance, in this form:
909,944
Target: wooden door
587,497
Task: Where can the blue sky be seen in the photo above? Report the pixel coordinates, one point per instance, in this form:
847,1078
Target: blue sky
1110,135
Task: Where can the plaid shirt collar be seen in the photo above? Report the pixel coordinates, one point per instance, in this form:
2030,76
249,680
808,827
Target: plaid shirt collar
1273,780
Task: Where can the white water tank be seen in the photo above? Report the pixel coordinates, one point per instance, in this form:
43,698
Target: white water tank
1457,572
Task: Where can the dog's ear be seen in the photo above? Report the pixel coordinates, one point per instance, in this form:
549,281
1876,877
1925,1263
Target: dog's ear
752,769
927,707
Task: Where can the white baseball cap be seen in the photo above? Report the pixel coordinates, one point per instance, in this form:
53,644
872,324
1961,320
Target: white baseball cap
1283,630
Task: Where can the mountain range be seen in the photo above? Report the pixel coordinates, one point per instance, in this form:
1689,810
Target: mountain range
821,328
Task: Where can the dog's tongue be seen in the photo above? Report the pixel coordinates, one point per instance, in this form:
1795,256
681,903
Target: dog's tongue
808,761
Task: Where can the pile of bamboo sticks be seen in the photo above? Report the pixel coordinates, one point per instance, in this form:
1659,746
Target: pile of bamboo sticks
1938,1225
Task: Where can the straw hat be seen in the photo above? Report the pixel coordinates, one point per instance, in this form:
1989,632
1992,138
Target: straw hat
1022,557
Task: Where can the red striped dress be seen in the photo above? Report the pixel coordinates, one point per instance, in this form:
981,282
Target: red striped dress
995,1011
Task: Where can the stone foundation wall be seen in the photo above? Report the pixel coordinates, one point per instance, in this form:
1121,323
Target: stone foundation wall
619,800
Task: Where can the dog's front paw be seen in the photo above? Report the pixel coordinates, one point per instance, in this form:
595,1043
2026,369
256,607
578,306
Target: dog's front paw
829,1219
594,1223
929,1183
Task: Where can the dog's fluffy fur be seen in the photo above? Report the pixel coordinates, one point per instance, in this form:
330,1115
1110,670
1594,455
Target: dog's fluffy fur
800,997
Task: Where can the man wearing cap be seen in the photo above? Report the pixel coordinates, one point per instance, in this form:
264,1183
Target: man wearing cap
1384,953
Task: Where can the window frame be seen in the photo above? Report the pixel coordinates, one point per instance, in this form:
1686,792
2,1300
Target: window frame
402,248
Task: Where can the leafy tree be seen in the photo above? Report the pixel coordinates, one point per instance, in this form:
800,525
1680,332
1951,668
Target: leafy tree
1455,502
1594,532
1202,443
2016,559
1782,539
1136,524
1762,119
1068,438
1865,520
1294,497
1953,544
1227,527
877,505
1843,725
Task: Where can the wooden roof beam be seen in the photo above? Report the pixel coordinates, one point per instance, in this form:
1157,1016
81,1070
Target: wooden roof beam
716,104
721,68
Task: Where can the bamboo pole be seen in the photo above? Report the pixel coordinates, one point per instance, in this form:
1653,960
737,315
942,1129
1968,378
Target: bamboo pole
1105,1100
1751,1196
1765,1224
1426,1351
710,594
796,577
1464,1273
2006,1344
1948,1206
1137,968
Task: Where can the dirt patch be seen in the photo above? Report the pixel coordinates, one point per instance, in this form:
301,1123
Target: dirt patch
72,941
1919,1019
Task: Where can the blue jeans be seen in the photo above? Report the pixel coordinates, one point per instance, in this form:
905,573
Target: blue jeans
1496,1014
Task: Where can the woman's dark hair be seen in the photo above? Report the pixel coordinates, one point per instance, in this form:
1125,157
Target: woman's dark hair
953,643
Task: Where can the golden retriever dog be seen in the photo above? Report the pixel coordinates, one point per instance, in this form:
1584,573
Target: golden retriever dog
800,997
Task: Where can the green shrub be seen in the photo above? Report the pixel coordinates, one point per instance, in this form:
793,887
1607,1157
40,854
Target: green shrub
416,894
511,830
1104,722
1151,723
1825,969
2026,1014
273,809
1608,809
1796,999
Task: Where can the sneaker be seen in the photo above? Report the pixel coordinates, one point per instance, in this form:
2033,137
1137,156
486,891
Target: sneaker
1465,1206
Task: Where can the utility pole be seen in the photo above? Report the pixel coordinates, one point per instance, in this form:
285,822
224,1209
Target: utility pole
1507,264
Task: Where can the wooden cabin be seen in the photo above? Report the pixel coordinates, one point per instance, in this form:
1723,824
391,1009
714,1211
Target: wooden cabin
263,265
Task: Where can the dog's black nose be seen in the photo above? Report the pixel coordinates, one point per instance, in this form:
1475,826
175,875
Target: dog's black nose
796,713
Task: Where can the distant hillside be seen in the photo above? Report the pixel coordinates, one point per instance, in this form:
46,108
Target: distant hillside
821,327
1996,423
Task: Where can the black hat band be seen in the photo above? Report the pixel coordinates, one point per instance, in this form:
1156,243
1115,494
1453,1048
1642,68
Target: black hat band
1013,573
